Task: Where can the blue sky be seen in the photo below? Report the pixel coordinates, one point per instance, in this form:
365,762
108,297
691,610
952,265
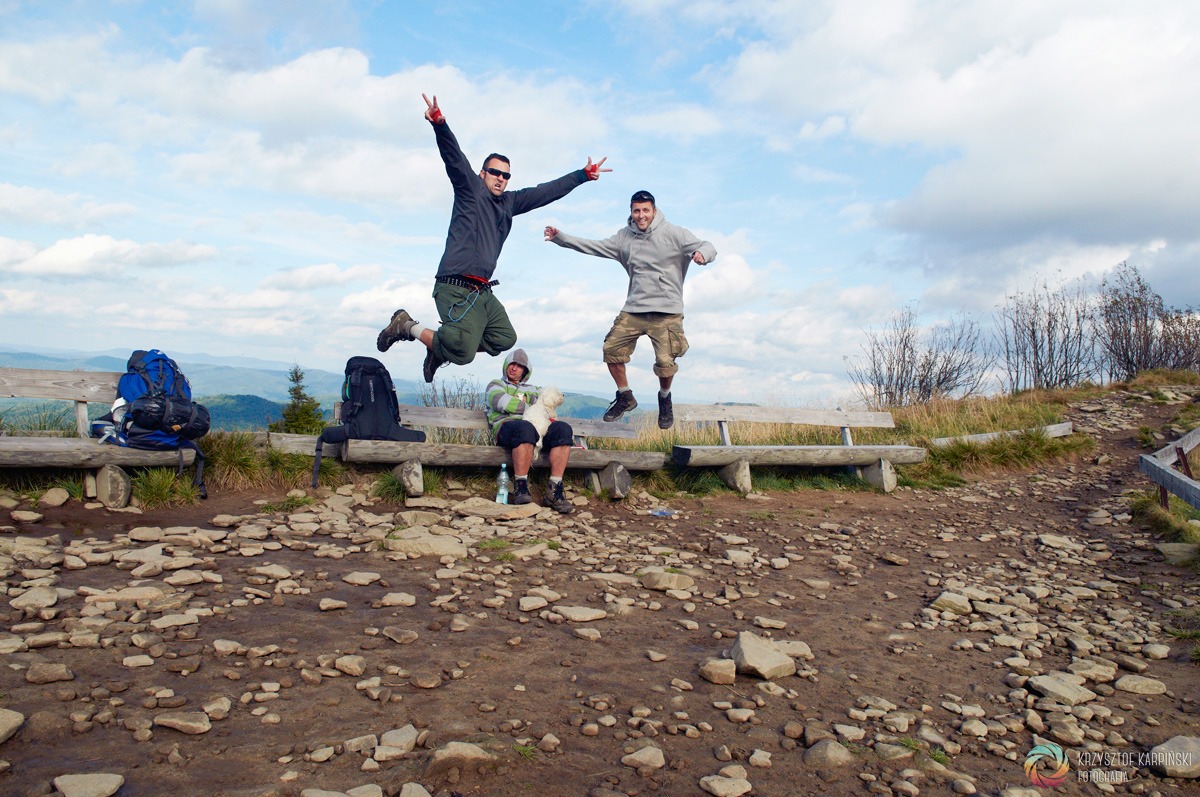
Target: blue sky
257,179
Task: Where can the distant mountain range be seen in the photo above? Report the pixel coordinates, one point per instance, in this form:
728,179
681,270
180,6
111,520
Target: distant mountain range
240,392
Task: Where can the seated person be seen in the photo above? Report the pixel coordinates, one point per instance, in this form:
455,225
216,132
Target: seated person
506,399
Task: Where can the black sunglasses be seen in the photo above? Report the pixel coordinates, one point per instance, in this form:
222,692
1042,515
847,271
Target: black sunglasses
497,173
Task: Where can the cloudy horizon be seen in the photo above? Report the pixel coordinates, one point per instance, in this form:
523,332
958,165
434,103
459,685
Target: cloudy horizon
257,180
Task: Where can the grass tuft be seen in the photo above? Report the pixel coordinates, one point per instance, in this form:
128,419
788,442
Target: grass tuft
158,487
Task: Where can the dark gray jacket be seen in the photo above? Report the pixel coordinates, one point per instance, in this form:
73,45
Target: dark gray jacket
480,222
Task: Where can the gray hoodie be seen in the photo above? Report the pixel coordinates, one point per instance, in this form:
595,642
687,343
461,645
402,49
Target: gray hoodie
656,260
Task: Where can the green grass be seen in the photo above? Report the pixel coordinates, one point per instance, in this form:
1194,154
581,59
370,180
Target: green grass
289,504
389,487
1171,523
527,751
493,544
1183,623
159,487
939,755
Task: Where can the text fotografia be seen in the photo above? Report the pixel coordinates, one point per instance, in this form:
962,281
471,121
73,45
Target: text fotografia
1110,776
1112,759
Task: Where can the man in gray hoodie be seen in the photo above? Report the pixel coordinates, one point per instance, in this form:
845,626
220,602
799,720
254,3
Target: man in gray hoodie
656,254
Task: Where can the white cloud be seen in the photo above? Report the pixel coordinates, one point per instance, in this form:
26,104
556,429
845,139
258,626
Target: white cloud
106,257
28,205
14,301
319,276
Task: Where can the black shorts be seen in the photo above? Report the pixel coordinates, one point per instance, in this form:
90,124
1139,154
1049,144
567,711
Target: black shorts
519,431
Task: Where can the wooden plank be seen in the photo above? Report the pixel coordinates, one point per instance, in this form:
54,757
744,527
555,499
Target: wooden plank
98,386
696,413
457,455
457,418
1053,430
813,456
1166,454
1170,479
68,452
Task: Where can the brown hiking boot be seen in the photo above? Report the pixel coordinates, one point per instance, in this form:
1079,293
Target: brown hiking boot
399,328
556,500
666,412
623,403
432,363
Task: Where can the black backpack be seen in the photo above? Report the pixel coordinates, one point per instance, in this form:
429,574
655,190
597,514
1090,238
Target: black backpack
370,410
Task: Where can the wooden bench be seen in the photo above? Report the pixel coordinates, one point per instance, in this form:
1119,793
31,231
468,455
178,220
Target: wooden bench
608,470
107,480
734,461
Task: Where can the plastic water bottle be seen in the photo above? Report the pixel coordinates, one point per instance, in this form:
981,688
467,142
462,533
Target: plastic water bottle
502,485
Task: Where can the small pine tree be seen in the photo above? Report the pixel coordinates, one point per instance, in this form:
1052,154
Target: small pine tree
302,415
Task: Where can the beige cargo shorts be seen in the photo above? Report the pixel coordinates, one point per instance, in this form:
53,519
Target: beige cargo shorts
665,331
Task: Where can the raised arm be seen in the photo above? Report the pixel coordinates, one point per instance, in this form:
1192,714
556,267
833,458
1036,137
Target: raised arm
458,168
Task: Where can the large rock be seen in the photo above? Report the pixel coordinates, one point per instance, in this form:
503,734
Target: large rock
1067,688
662,581
649,757
1178,757
10,721
490,510
189,722
113,487
581,614
721,786
89,785
757,656
35,598
828,754
458,755
953,602
427,544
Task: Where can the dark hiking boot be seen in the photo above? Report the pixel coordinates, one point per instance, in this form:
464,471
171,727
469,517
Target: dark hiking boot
557,501
623,403
432,363
399,328
666,412
520,493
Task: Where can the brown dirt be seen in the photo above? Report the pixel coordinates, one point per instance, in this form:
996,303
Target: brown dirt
862,630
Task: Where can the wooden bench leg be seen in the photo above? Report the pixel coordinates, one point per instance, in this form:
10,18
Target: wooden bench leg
616,479
411,476
880,475
113,487
736,476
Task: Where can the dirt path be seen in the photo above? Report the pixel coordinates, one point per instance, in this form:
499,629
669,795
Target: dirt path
270,655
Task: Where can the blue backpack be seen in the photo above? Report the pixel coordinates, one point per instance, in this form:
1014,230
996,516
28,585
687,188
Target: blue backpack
159,412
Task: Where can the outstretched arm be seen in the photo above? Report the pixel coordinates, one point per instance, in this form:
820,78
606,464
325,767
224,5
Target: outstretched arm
609,247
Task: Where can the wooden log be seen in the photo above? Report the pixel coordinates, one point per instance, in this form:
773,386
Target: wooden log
1053,430
695,413
300,444
457,455
457,418
812,456
1170,479
68,452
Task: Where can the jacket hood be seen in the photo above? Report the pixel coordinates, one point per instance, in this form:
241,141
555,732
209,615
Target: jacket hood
519,357
658,220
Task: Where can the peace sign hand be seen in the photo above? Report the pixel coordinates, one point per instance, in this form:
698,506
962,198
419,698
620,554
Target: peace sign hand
593,169
433,113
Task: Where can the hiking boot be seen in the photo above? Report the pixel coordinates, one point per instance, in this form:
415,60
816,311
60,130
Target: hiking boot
432,363
666,413
623,403
399,328
556,500
520,494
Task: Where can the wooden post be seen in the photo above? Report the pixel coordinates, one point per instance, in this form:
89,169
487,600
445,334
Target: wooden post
1184,465
723,427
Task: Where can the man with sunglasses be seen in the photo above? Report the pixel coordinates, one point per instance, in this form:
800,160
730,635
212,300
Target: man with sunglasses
473,319
656,255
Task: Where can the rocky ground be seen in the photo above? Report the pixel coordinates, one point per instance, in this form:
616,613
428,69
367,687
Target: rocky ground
922,642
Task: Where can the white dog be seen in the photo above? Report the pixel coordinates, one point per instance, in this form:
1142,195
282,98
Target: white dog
541,414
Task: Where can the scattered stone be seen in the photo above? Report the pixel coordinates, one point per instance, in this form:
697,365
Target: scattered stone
89,785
